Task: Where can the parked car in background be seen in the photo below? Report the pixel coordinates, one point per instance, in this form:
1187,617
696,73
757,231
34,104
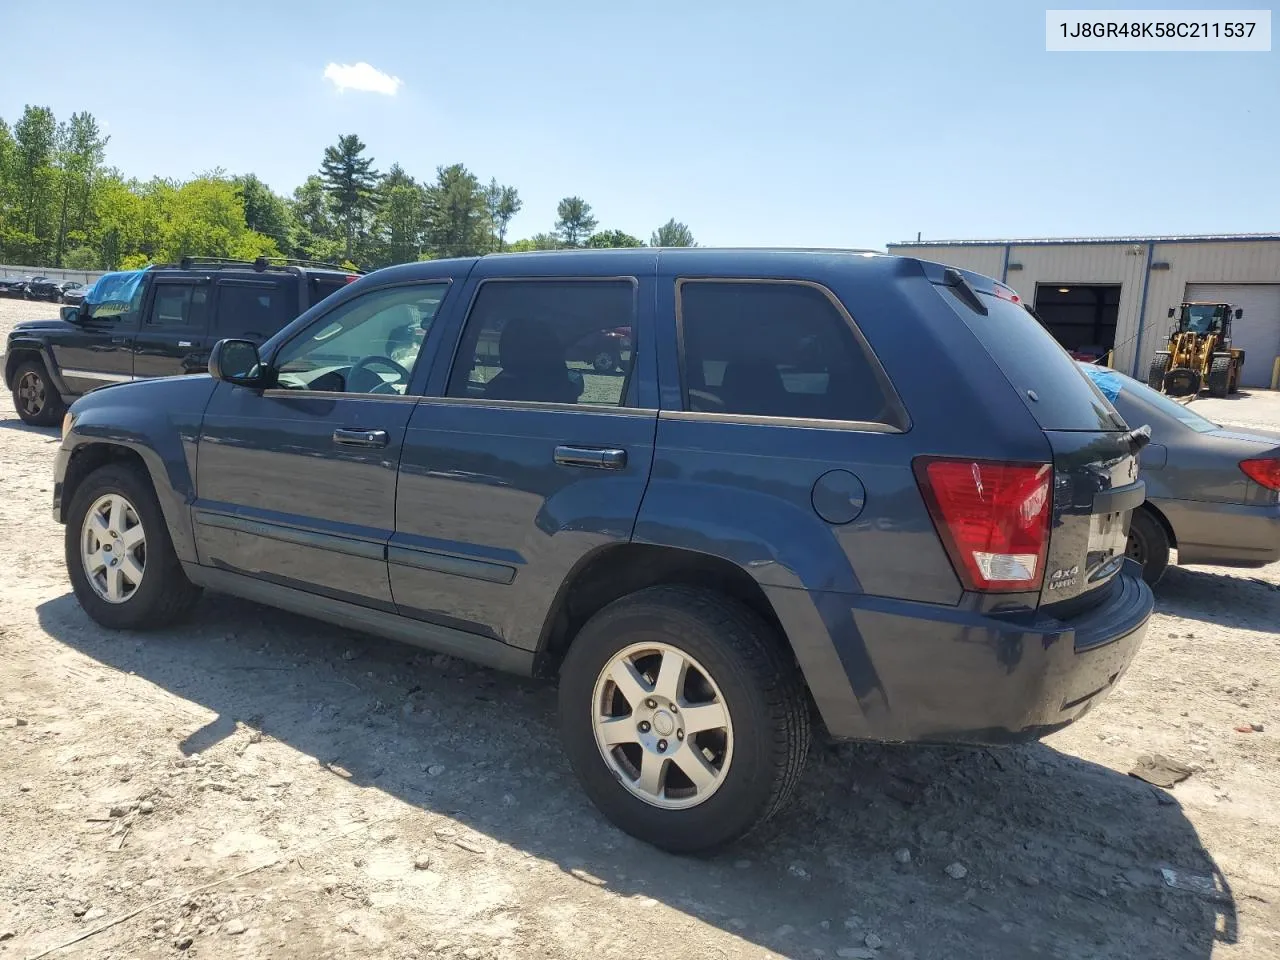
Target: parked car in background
868,486
46,288
14,286
75,295
1213,492
156,322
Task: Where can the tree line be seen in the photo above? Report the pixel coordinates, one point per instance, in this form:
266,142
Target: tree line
61,205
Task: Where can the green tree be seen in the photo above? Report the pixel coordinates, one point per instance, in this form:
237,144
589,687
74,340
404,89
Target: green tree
401,222
503,203
119,212
205,217
315,230
574,221
82,258
81,149
265,211
457,217
349,177
35,139
611,239
673,233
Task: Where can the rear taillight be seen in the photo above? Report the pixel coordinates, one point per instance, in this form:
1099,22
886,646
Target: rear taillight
993,519
1263,472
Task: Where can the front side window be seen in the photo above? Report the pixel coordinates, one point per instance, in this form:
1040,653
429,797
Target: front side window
773,350
367,345
547,341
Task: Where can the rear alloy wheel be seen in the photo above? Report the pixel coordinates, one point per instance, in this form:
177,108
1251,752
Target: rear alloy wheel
35,398
1148,545
684,717
1220,376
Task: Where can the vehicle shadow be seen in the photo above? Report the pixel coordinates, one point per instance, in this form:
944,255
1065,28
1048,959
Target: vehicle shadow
1234,599
1060,856
21,427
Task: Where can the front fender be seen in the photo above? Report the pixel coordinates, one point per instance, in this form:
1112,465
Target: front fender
19,348
160,427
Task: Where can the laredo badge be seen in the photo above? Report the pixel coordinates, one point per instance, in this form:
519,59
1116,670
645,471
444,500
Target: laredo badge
1064,578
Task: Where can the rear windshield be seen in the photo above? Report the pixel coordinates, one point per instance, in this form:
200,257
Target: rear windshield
322,286
1027,354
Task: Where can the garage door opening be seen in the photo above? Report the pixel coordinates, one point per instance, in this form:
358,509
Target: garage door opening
1081,317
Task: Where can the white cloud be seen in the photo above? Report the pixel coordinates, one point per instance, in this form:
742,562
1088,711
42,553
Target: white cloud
362,76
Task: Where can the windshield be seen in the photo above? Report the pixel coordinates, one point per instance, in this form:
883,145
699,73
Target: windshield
1113,384
1201,319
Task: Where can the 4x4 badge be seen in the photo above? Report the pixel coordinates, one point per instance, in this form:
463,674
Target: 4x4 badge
1064,578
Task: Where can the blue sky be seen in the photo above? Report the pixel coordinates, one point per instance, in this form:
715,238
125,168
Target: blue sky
794,123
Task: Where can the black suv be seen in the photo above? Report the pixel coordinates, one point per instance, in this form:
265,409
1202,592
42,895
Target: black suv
869,490
174,315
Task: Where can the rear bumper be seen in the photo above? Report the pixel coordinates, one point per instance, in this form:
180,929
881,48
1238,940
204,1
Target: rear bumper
1228,534
924,673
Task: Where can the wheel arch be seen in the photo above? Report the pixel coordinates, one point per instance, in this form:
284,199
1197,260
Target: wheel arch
24,351
618,570
1158,514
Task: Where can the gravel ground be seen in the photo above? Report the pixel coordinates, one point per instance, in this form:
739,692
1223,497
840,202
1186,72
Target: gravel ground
256,784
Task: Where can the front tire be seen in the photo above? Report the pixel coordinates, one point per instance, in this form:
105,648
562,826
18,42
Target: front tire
1156,371
1149,545
684,716
35,397
1220,375
119,555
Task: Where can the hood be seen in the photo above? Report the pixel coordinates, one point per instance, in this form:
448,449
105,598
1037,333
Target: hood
43,326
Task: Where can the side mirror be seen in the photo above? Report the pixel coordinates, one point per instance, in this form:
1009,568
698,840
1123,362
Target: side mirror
1171,313
238,362
1239,313
70,314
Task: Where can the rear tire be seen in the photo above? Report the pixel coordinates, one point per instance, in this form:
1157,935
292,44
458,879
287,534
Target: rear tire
1220,375
743,770
35,397
1236,368
143,589
1155,373
1149,545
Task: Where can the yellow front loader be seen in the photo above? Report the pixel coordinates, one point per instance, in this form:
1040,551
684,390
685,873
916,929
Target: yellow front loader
1199,354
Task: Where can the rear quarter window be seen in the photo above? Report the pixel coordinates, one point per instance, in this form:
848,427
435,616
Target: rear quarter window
1054,389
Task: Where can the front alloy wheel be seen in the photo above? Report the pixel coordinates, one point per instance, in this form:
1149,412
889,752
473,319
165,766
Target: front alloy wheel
31,394
662,725
113,548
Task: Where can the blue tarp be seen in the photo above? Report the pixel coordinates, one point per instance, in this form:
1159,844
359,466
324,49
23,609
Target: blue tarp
1105,379
114,293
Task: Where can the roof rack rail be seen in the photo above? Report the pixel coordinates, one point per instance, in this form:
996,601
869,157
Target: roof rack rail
262,263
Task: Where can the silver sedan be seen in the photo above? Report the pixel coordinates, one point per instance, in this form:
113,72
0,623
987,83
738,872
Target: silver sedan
1213,493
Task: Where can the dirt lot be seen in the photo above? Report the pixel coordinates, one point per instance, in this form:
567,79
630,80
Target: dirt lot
261,785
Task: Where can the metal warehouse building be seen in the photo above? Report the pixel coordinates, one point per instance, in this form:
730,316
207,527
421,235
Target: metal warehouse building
1115,292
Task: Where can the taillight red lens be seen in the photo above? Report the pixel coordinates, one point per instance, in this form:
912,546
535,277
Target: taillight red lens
1264,472
993,519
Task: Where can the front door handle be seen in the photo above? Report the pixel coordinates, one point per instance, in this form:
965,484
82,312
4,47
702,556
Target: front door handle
599,458
185,343
360,438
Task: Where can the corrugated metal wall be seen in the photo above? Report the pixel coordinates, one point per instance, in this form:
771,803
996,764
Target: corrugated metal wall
1212,261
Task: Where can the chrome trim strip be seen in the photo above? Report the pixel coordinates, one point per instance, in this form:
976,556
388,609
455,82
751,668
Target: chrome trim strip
98,375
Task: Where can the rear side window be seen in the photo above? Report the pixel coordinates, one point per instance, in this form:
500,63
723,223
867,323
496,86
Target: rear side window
254,309
547,341
179,306
1057,393
773,350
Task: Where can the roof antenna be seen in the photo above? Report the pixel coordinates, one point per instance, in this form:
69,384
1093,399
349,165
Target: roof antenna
917,236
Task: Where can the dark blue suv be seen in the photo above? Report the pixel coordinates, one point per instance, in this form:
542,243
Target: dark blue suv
861,489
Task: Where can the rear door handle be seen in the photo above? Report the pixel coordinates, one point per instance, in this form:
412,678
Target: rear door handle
185,343
599,458
360,438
